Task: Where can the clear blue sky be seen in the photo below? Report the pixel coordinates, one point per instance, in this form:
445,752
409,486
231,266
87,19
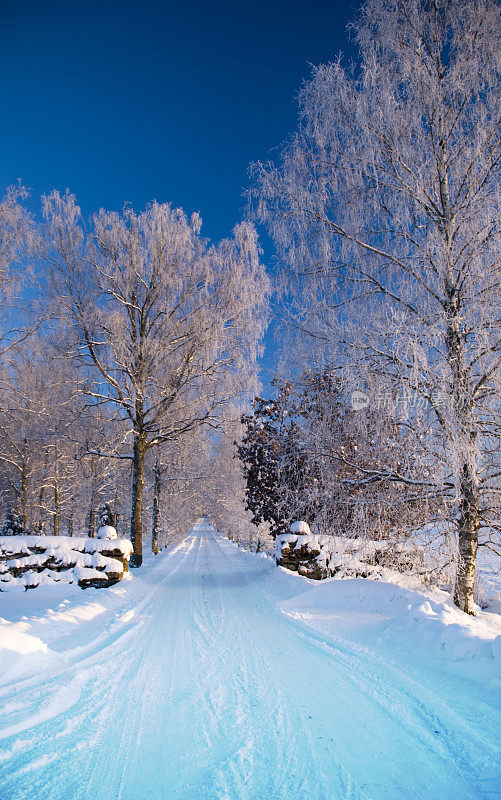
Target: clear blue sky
135,101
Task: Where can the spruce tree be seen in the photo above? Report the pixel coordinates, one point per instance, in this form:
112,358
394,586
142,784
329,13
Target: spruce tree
13,525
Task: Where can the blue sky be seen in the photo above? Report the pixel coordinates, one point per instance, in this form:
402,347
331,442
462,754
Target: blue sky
135,101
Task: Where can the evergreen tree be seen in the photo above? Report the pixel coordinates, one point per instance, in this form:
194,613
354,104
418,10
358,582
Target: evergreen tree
13,525
105,516
278,474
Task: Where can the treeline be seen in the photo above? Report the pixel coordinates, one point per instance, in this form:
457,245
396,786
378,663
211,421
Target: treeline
125,341
384,210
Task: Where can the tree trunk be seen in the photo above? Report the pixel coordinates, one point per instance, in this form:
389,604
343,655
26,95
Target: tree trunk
136,526
91,528
117,505
469,523
57,508
156,508
41,493
463,438
24,486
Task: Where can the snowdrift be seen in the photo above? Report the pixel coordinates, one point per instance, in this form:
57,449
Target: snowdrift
423,625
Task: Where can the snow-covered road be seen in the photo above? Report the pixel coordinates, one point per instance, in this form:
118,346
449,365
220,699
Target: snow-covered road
205,690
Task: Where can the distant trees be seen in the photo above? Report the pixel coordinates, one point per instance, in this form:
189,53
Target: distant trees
224,492
199,475
166,327
385,209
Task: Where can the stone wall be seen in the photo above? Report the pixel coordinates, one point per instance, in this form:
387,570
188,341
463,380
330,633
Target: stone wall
300,553
30,561
320,557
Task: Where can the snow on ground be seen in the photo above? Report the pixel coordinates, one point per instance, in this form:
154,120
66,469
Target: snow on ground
414,625
213,674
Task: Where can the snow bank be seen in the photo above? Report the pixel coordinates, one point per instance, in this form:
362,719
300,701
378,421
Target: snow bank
39,630
30,561
21,651
424,623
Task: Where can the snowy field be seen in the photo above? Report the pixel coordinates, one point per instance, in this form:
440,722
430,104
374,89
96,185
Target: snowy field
214,675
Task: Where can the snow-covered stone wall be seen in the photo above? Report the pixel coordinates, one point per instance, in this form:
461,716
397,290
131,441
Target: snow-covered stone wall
301,552
32,561
324,556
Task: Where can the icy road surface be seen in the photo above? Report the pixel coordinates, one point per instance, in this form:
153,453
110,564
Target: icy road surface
205,690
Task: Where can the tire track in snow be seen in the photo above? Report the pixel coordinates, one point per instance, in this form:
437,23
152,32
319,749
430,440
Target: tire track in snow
211,693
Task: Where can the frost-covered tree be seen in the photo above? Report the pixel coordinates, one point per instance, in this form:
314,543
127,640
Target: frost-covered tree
17,240
385,208
167,326
303,454
352,453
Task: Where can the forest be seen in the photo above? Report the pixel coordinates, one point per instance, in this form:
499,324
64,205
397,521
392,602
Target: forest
131,344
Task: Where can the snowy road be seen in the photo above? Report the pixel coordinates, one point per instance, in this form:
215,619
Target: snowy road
206,691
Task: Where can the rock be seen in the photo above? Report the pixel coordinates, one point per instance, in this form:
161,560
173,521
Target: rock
96,583
107,532
300,527
300,554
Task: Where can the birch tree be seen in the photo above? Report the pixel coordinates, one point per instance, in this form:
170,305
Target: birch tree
167,326
17,242
385,208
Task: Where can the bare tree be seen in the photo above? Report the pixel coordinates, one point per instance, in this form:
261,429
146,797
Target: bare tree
386,210
167,326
